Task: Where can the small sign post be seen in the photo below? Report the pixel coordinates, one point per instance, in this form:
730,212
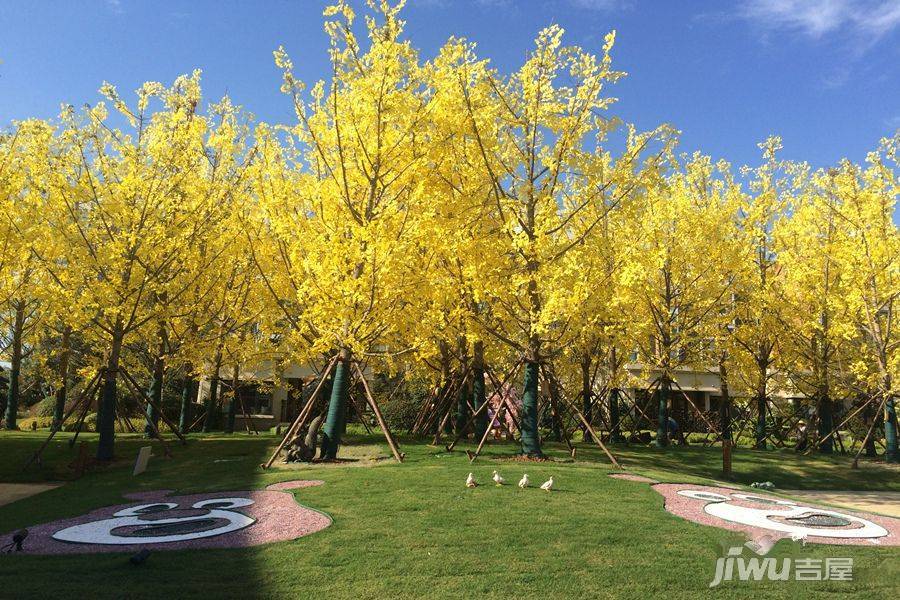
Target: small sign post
143,457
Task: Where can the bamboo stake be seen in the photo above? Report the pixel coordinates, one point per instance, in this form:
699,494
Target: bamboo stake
855,464
554,409
301,418
593,433
53,432
381,422
158,408
487,432
155,429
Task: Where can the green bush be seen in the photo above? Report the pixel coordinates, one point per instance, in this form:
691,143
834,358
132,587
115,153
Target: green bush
42,422
46,407
401,410
90,423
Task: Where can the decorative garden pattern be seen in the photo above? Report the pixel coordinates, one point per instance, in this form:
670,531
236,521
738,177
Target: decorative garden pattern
761,515
162,522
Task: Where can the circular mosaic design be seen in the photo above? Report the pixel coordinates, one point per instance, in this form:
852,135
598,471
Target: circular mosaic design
697,495
820,520
192,526
763,500
131,526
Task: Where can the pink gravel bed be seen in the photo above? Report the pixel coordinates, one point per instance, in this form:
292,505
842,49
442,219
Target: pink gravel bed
694,510
277,518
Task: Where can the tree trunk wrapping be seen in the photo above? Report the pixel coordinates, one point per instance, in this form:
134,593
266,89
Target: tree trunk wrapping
478,392
184,417
213,397
891,454
662,429
232,403
826,424
340,388
156,383
615,434
531,445
59,408
106,419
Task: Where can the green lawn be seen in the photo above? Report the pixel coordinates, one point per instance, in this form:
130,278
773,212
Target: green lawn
413,530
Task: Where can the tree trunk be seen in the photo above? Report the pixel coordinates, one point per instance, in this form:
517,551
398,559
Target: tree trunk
870,414
891,454
555,424
232,403
531,445
187,393
586,393
12,395
615,432
340,388
826,421
213,397
725,421
59,408
106,419
662,429
478,393
156,387
761,407
462,396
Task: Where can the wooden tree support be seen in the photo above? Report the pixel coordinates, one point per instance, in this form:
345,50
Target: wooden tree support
443,406
197,421
81,398
500,409
709,424
834,432
154,428
487,432
158,408
499,392
303,416
381,422
79,422
862,447
593,433
248,420
449,403
555,409
359,411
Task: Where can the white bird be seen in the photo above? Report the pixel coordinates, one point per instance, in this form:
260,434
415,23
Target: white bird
497,479
524,483
547,485
470,481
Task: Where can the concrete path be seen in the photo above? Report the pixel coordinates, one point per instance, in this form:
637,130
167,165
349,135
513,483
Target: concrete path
883,503
10,492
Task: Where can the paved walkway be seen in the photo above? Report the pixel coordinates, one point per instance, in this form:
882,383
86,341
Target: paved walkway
10,492
884,503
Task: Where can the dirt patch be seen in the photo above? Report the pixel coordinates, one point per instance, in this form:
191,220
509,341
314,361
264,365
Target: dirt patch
883,503
10,492
630,477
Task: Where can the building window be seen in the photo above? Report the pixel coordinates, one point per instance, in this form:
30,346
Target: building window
256,398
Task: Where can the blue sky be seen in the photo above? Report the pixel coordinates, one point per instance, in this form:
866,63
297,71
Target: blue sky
824,74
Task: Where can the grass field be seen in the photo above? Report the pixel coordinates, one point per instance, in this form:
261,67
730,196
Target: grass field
413,530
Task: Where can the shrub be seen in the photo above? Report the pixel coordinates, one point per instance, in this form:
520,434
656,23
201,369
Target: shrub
46,407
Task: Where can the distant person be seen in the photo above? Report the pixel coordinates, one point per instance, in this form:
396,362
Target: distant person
802,437
675,432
